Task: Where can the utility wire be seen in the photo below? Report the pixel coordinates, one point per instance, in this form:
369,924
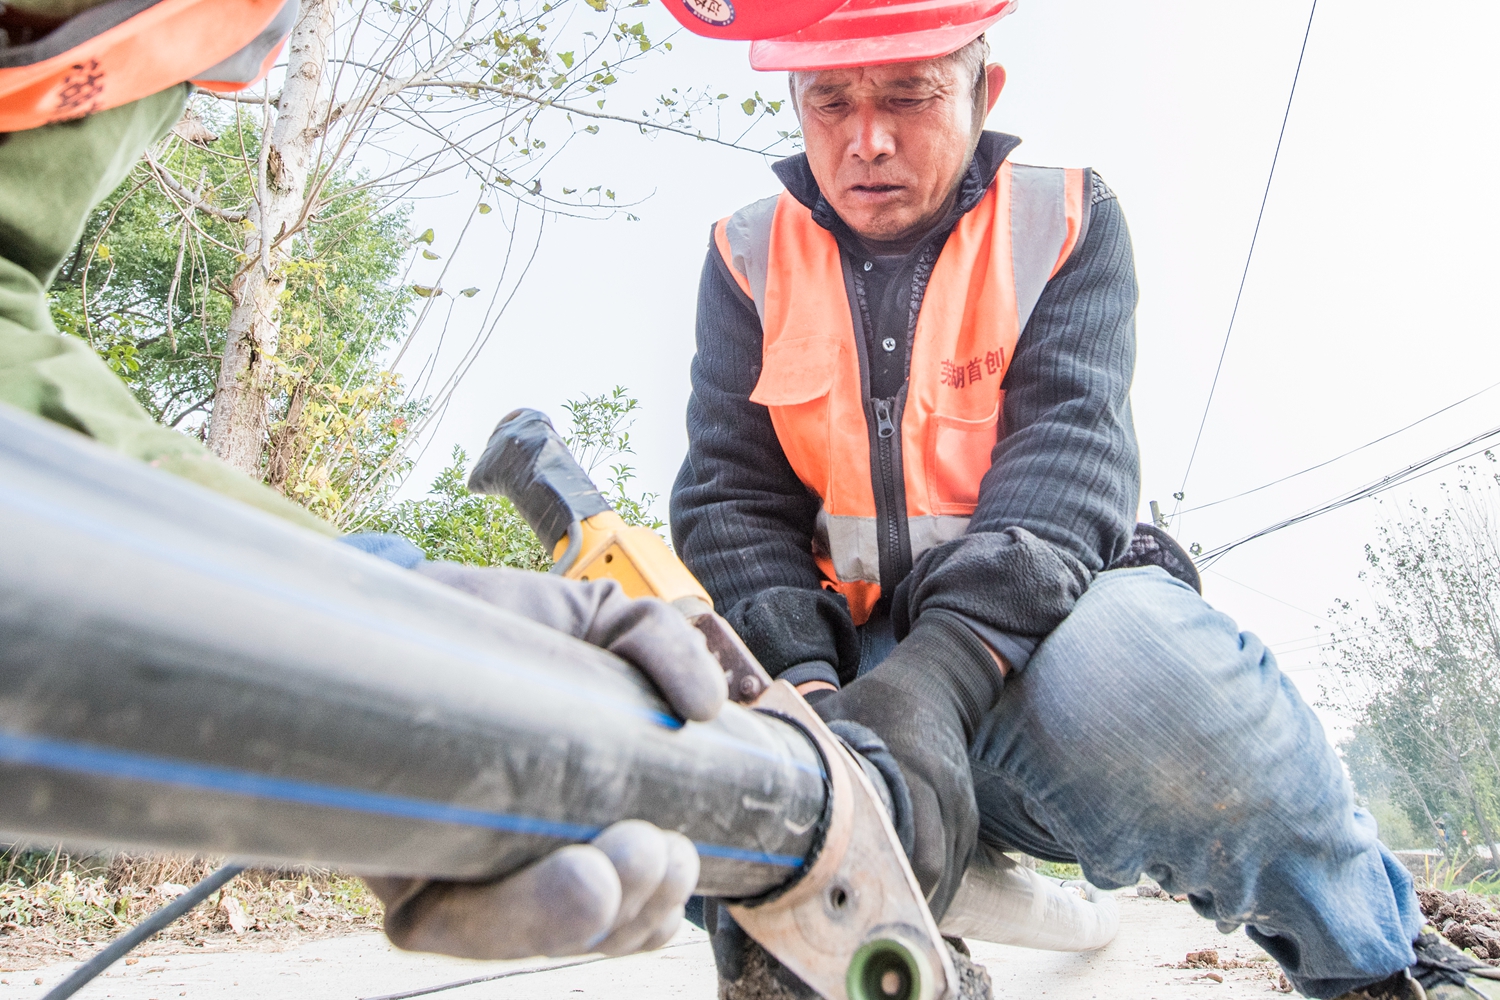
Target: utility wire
511,973
1269,597
1182,490
1429,464
158,920
1351,451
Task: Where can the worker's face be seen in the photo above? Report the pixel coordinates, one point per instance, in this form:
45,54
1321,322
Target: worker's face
888,144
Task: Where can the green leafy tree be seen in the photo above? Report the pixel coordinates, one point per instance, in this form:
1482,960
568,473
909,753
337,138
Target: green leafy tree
1418,668
148,287
489,91
601,434
452,524
248,279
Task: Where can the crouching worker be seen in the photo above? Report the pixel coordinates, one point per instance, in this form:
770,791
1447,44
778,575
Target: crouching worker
911,485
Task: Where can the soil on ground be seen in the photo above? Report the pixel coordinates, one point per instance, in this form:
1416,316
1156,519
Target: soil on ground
69,914
1468,920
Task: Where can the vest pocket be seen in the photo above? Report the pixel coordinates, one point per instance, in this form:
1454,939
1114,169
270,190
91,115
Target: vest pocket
795,381
958,456
796,371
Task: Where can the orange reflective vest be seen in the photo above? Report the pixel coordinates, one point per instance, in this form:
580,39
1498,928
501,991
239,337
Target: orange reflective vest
124,50
934,442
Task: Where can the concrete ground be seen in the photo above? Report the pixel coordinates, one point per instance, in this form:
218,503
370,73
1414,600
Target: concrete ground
1154,936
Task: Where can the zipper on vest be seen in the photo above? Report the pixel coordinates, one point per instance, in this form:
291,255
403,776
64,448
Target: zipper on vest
890,501
884,426
885,485
883,423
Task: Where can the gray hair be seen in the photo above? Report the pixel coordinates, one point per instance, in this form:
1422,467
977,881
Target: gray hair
970,59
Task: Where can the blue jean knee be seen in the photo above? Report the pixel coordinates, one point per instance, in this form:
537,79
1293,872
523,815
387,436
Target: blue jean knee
1149,735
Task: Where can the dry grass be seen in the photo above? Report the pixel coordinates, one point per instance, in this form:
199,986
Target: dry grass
55,906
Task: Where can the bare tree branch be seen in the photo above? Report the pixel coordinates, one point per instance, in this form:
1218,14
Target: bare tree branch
239,98
475,86
165,179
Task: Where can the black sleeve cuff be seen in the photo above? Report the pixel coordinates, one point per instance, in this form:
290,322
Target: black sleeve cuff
1016,649
814,670
788,626
1011,581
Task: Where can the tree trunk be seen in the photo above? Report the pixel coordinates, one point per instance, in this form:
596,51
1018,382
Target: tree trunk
1455,760
286,451
1484,826
237,433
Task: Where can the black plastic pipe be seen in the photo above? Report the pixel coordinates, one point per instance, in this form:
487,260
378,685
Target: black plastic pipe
179,671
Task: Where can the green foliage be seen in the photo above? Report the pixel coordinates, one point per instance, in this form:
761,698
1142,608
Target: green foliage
452,524
150,284
1396,830
601,432
1062,870
150,288
1419,671
755,102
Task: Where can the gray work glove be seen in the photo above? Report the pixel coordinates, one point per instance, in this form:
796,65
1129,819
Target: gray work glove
620,894
648,632
625,891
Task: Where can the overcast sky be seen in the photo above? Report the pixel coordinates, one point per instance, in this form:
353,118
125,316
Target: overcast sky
1367,306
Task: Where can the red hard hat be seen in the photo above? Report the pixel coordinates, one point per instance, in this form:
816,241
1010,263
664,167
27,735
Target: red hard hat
747,19
872,32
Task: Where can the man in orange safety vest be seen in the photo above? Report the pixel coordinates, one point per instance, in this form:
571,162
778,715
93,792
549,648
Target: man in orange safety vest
911,485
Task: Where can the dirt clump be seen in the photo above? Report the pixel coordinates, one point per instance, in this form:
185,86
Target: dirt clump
1149,891
1468,920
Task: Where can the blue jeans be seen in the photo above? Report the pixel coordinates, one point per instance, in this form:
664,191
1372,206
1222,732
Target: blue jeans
1148,734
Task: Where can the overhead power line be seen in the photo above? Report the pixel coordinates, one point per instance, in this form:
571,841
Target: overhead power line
1351,451
1182,490
1430,464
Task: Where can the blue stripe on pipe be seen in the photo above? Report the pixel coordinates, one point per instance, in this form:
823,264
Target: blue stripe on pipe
120,534
82,758
740,854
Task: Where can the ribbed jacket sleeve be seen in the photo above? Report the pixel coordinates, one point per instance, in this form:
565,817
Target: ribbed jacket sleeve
1058,503
741,519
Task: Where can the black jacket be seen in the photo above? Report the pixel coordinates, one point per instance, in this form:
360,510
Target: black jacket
1056,507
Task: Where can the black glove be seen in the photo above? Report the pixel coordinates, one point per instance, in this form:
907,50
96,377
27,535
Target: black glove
787,626
746,970
1150,546
925,701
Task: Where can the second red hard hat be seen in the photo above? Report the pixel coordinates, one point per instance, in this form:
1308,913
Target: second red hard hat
872,32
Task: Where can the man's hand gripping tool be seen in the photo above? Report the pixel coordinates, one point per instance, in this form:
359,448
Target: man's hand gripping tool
854,925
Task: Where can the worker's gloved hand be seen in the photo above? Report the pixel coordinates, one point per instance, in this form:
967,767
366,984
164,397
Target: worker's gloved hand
620,894
749,972
626,890
648,632
925,702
